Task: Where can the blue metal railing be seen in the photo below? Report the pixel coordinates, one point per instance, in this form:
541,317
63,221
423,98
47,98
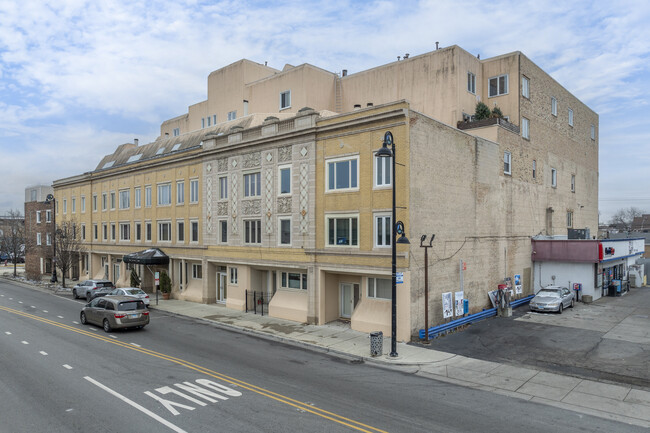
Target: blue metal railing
449,326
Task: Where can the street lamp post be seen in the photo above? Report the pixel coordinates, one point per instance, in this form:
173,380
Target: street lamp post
397,228
50,198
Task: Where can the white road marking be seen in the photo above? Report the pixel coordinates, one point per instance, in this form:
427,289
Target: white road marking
11,299
136,405
43,353
7,332
60,317
33,306
136,345
112,336
75,322
24,342
20,302
92,329
68,410
2,296
44,311
67,366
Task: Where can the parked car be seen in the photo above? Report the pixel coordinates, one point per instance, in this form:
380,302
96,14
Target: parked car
91,289
115,312
552,298
133,292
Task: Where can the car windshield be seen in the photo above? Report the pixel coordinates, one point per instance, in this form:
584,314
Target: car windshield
553,293
134,292
130,306
106,284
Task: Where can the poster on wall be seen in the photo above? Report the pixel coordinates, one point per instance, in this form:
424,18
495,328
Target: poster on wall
458,301
518,289
447,305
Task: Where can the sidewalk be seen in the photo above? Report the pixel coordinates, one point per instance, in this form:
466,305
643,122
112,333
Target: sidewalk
617,402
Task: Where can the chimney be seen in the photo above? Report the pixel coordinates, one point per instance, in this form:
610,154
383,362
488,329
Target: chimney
478,56
406,56
345,72
399,58
265,62
135,141
437,44
369,104
357,106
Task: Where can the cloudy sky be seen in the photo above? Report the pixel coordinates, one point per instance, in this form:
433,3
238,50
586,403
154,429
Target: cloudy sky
78,78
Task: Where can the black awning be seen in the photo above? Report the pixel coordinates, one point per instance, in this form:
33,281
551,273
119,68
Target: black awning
152,256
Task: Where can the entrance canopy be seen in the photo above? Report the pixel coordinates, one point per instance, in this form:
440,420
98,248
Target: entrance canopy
152,256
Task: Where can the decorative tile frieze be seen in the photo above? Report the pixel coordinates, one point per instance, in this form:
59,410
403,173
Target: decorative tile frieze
222,208
251,207
222,165
284,205
252,160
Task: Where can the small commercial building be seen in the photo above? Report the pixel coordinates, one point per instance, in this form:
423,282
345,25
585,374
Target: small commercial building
589,266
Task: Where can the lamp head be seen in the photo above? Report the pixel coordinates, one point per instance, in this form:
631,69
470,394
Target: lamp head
385,151
403,240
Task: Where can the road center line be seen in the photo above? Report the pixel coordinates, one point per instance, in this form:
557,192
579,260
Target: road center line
136,405
24,342
43,353
67,366
7,332
60,317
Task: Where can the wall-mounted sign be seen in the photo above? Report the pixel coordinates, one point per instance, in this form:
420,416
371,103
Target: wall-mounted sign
399,277
458,301
447,305
518,288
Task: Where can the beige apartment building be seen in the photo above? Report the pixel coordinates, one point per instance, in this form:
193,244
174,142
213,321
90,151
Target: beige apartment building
253,191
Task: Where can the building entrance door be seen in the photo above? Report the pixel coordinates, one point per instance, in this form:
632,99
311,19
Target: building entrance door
346,300
221,287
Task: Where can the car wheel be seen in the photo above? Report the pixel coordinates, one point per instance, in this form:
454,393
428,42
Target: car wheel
82,318
107,326
561,308
573,303
74,294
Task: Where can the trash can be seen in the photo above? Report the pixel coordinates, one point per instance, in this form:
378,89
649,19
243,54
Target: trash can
376,343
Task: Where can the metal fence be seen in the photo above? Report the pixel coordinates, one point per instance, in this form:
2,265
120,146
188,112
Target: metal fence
257,302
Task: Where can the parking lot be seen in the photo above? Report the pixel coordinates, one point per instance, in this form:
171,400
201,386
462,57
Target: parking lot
608,339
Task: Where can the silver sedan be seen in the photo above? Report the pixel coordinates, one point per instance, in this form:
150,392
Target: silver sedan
552,298
131,291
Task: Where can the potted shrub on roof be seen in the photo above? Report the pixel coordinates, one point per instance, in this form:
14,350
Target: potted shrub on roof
482,111
165,285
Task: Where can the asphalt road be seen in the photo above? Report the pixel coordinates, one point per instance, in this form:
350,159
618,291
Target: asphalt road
185,375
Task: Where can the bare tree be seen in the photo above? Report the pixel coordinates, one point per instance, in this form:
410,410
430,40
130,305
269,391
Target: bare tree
69,247
12,240
623,218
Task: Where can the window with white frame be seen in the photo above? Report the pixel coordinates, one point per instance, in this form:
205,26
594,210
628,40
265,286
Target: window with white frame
125,231
194,231
593,132
116,271
525,87
232,115
176,132
197,270
33,194
573,183
525,128
202,122
138,232
104,201
180,192
223,188
137,193
147,230
209,120
498,85
38,238
113,230
284,175
194,191
223,226
553,106
252,185
113,200
48,238
534,169
233,275
553,177
125,199
147,196
74,205
569,219
48,216
342,231
383,171
342,174
285,99
380,288
83,232
214,119
105,231
164,194
284,230
65,205
471,82
94,202
570,117
253,231
164,231
293,280
95,232
83,204
180,231
383,230
507,163
38,217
